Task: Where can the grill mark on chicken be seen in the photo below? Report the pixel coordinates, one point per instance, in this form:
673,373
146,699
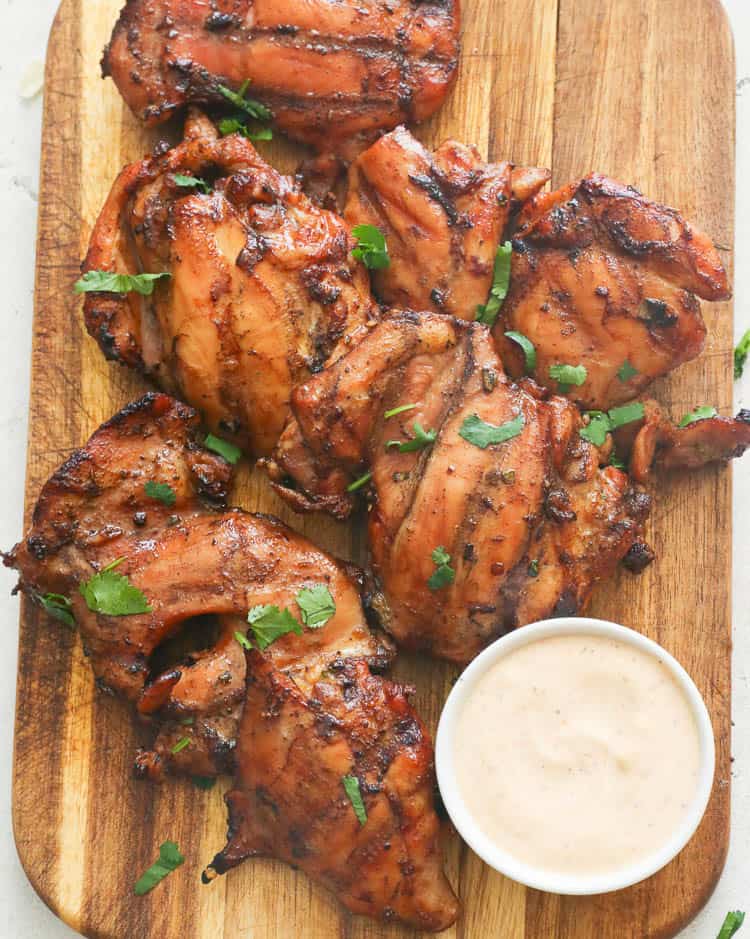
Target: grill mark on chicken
390,63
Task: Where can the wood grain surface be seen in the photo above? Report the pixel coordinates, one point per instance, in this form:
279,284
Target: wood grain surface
640,89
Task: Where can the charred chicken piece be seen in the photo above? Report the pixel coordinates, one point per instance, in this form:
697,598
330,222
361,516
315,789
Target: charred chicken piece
263,289
96,509
656,443
469,536
335,75
443,215
294,752
604,278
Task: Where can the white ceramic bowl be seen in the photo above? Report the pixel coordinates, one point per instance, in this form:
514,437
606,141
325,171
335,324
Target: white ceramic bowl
501,860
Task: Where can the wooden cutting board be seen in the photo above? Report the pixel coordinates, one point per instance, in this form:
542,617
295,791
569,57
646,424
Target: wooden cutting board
640,89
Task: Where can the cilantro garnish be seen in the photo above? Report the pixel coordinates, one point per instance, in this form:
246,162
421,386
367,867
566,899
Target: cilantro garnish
162,492
600,424
483,435
268,623
235,125
422,438
169,860
181,744
567,375
351,788
443,575
108,282
204,782
487,312
741,351
250,106
243,640
534,568
626,371
316,605
399,410
58,607
359,483
191,182
699,414
527,346
112,594
371,249
223,447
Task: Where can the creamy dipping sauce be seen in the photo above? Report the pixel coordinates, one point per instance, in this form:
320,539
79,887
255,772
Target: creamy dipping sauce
578,755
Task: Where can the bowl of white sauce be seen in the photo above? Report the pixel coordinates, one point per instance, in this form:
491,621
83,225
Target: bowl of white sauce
575,756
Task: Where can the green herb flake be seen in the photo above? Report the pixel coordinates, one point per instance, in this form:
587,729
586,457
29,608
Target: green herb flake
204,782
58,607
371,249
108,282
487,312
597,428
534,568
112,594
443,575
191,182
169,860
422,438
243,640
224,448
399,410
482,435
316,605
740,354
731,924
626,414
250,106
626,371
359,483
351,788
162,492
235,125
527,346
699,414
181,745
269,623
568,375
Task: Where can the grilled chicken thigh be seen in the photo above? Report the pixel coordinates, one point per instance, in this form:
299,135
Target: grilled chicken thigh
263,288
490,512
194,559
443,215
294,751
334,74
604,278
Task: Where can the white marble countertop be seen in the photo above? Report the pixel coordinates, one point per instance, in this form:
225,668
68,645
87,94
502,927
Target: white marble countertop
27,22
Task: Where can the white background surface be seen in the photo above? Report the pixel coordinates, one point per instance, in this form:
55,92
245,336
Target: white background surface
22,40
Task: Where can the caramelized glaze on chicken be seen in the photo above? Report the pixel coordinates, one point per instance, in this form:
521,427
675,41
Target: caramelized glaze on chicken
605,278
334,74
531,524
443,215
263,288
288,801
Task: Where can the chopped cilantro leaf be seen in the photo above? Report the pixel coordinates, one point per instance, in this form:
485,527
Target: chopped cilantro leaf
626,371
254,109
527,346
443,575
169,860
235,125
109,282
316,605
112,594
191,182
699,414
567,375
223,447
487,312
162,492
359,483
351,787
371,249
399,410
534,568
58,607
483,435
422,438
269,623
243,640
597,428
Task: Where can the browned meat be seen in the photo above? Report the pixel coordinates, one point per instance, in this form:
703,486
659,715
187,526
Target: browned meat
443,215
531,524
658,443
263,288
334,74
604,278
288,800
95,510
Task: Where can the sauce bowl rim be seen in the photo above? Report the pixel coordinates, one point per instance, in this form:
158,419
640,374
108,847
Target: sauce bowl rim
504,862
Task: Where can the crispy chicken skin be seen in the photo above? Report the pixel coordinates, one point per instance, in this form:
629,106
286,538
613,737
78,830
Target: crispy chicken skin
288,800
335,74
263,288
656,443
94,510
602,276
531,524
443,215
